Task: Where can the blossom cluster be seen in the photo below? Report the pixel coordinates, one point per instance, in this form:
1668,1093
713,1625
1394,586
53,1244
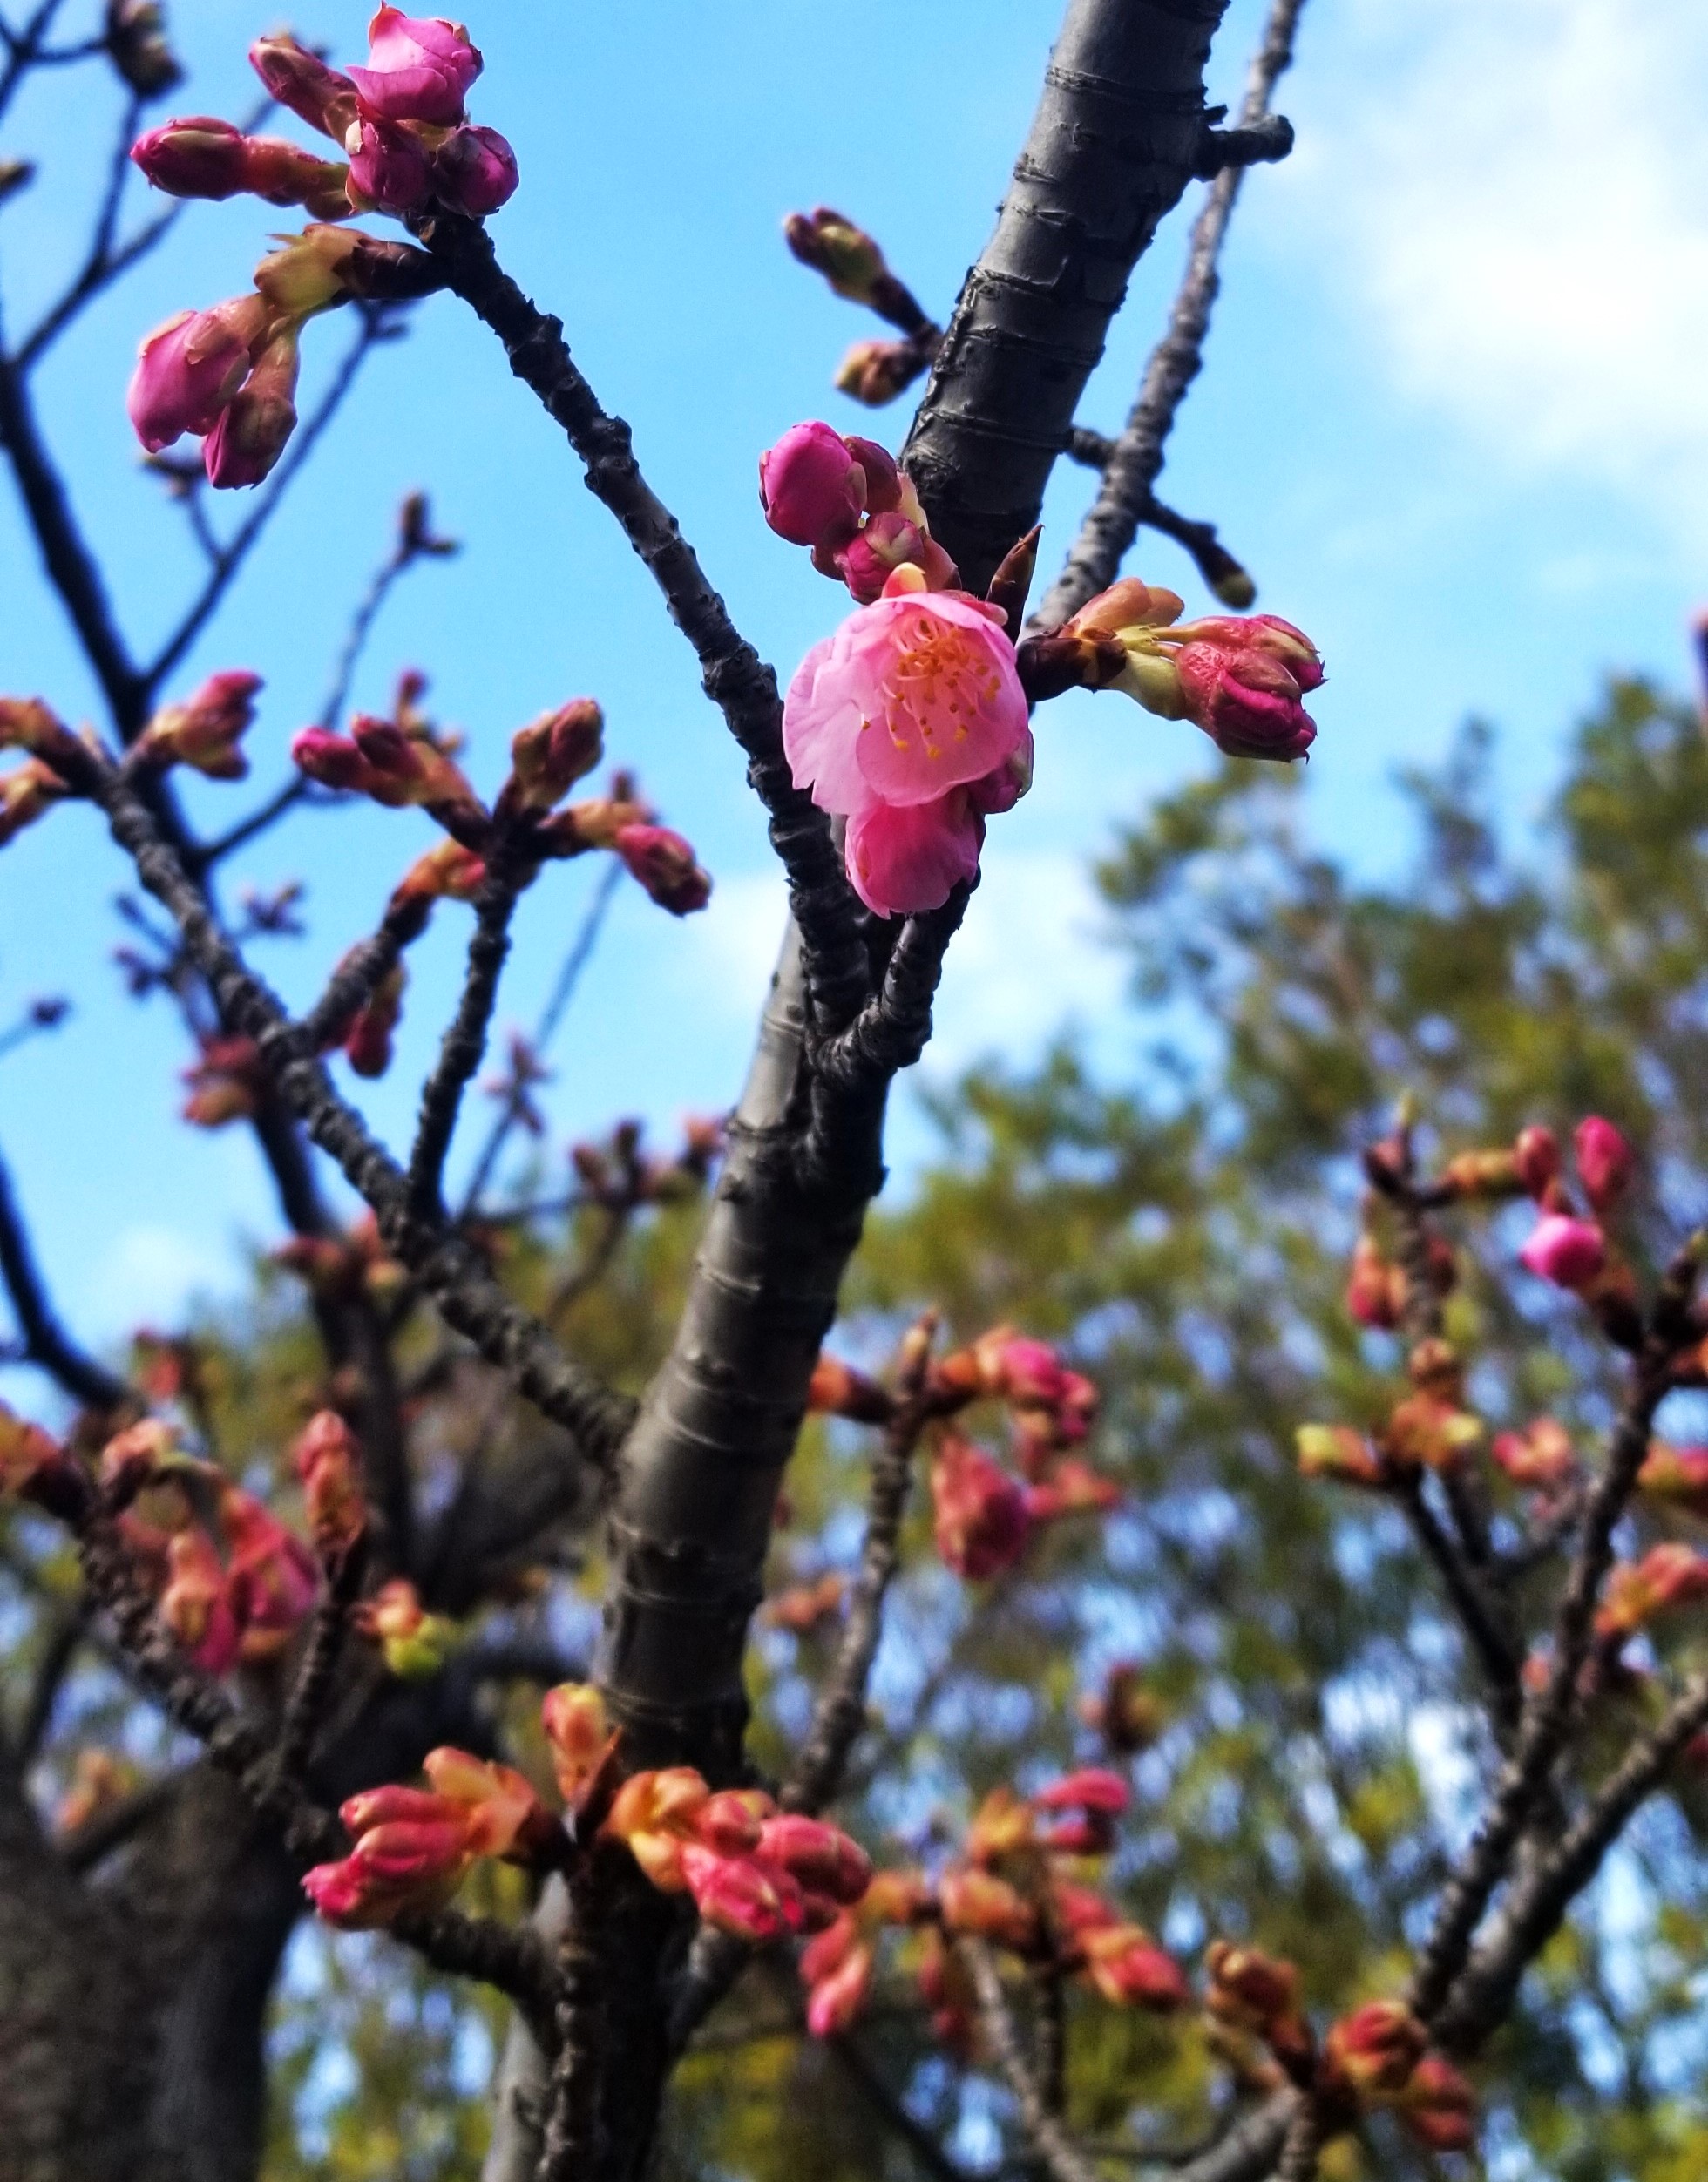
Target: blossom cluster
911,722
228,374
983,1513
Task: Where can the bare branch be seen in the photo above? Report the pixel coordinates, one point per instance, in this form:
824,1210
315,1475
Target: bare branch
45,1341
465,1041
1060,2156
1113,520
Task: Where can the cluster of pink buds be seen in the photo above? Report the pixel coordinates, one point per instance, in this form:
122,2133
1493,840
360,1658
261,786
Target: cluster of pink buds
229,374
413,1642
414,1847
400,122
1566,1247
1240,679
327,1462
983,1513
402,761
1378,2056
1378,1291
235,1592
1677,1476
845,499
752,1871
207,730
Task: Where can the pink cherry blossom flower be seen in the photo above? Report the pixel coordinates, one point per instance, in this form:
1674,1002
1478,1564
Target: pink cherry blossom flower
474,171
419,68
905,858
1568,1252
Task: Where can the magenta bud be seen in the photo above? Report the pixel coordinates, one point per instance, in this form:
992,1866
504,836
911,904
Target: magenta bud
388,166
474,171
302,82
419,68
883,480
189,369
250,434
1570,1253
1605,1161
811,486
332,759
665,865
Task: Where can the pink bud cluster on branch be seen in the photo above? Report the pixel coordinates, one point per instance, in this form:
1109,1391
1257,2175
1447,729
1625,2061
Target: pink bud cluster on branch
984,1515
228,374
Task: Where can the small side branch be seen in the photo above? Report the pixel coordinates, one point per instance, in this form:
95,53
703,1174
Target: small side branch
1136,458
1045,2132
45,1341
465,1042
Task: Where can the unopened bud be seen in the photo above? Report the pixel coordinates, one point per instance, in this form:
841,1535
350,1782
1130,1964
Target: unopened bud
832,245
548,756
664,864
876,372
303,82
136,42
251,432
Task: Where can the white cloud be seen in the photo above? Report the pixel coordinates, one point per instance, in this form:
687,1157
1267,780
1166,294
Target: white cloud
1513,202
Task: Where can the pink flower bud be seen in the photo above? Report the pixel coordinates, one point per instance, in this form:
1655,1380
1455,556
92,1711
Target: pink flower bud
868,559
326,1460
188,368
1130,1970
1375,1289
249,435
1439,2106
302,82
1605,1162
739,1895
730,1822
1667,1578
885,487
1073,1487
366,1042
1248,1989
474,171
1246,701
981,1524
652,1814
26,793
1537,1155
1540,1457
272,1580
1093,1788
1570,1253
549,755
203,157
205,731
413,1642
34,1465
1376,2047
389,169
1337,1451
664,864
821,1858
581,1738
26,723
832,245
875,372
811,486
419,68
836,1997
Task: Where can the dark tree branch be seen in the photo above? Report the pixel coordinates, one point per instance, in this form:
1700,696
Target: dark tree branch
1227,577
563,991
1251,2149
23,50
929,2155
571,2123
1548,1716
1062,2158
467,1295
1479,1615
1533,1911
1270,138
1112,523
45,1341
327,1629
465,1041
55,1663
735,678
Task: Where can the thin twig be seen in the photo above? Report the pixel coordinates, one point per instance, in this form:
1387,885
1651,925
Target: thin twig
734,676
1136,458
465,1041
563,991
327,1630
45,1341
1045,2131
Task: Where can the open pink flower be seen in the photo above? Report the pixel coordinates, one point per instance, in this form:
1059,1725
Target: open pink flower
419,68
911,722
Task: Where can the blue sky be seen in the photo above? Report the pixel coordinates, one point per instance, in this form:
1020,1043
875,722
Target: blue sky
1452,418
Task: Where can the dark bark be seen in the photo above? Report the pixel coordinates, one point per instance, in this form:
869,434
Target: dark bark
1115,140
